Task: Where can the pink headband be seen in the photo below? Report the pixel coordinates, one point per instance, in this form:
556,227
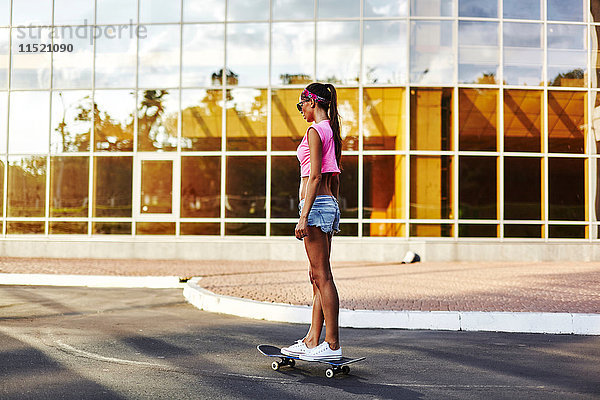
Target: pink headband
313,96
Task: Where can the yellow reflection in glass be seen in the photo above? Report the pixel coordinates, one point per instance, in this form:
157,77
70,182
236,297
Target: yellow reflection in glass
384,114
69,186
431,230
348,110
287,125
384,187
384,229
201,117
477,119
26,186
246,119
431,187
567,121
431,119
157,187
522,120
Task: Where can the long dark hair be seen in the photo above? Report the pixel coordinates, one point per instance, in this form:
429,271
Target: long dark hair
328,92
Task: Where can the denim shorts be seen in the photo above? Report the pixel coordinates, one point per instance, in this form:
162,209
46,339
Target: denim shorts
324,213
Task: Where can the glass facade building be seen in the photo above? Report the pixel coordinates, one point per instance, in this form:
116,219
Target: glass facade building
461,119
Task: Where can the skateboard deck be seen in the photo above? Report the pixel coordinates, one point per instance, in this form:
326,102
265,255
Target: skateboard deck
337,366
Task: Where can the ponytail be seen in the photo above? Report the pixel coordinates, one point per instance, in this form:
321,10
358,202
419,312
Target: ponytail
334,121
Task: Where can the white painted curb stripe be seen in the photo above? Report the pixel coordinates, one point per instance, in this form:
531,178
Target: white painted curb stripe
97,281
522,322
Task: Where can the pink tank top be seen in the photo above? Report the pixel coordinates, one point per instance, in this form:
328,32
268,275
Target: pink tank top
328,163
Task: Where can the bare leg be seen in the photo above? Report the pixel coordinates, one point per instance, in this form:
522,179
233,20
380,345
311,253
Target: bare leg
317,245
316,325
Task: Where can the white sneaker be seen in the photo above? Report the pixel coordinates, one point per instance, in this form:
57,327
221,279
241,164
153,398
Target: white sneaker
322,352
296,349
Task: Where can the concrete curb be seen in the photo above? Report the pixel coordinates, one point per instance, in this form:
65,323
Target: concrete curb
96,281
515,322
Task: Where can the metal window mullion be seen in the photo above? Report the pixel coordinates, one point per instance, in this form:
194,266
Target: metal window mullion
137,164
407,182
224,126
315,41
91,167
361,125
5,172
176,195
455,151
48,155
269,119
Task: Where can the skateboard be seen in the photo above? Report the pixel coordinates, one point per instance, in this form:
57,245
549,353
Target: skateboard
336,366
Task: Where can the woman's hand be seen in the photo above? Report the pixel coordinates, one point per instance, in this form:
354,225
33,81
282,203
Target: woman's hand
301,228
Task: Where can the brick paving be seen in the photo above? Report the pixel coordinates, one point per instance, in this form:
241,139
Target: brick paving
428,286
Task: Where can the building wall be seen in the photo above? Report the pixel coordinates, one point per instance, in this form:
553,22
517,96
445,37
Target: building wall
462,119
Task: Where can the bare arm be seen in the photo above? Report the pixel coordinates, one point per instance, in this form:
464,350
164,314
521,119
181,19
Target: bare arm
315,147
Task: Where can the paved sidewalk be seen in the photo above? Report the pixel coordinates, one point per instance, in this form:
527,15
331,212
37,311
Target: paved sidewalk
572,287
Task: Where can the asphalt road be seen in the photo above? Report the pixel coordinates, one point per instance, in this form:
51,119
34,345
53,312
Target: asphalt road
79,343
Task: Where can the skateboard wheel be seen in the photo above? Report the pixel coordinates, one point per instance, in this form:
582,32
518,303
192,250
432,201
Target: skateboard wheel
329,373
345,370
275,365
291,362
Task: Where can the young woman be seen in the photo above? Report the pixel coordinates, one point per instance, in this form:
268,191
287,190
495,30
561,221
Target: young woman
319,154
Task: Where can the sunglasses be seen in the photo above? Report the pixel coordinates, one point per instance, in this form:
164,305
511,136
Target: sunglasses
299,105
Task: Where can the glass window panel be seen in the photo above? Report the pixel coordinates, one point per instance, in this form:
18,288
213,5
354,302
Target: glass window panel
478,52
159,56
348,199
477,119
114,111
595,12
384,52
565,10
248,53
292,53
431,187
111,228
68,228
348,110
431,126
189,228
347,229
293,9
74,12
24,14
156,189
116,11
285,178
287,125
384,187
155,228
477,195
246,119
338,9
523,54
26,186
384,113
385,8
201,119
478,230
26,228
112,186
115,61
522,231
3,120
431,230
160,11
431,52
71,70
203,54
28,133
4,57
5,12
248,10
523,120
566,189
521,9
567,231
69,180
158,115
478,8
522,188
384,230
245,229
431,8
71,124
246,192
283,229
567,55
200,187
203,11
567,121
30,70
338,41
